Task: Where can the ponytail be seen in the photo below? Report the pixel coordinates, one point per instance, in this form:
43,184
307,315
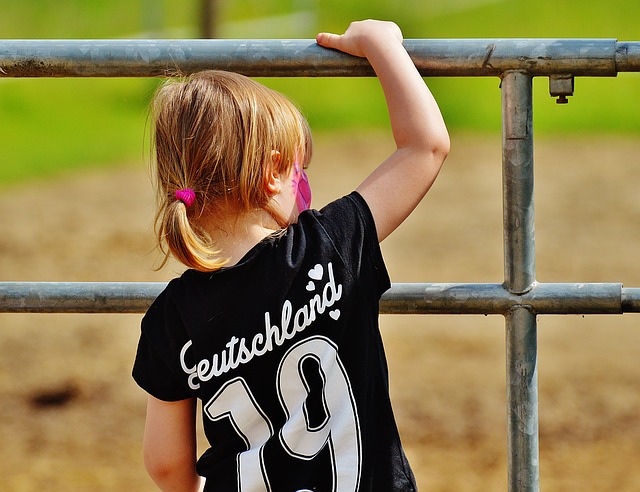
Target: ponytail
190,245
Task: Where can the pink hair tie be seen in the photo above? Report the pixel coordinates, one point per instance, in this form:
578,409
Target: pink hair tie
186,196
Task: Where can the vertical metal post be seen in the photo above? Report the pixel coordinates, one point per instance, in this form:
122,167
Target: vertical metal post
517,182
209,19
519,266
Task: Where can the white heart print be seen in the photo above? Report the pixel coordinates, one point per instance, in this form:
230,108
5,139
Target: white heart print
335,314
316,272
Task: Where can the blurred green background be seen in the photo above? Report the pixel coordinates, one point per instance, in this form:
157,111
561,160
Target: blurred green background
48,126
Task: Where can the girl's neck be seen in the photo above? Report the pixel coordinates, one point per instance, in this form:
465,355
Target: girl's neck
236,237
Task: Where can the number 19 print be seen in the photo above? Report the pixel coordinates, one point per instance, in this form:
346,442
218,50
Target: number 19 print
315,394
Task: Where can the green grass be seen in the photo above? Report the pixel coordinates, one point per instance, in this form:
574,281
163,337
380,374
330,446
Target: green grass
52,125
49,126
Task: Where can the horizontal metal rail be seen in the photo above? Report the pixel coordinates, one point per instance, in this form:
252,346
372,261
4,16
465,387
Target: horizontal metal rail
304,58
402,298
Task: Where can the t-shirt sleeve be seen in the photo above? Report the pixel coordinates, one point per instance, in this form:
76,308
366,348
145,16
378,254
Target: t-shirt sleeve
157,367
350,226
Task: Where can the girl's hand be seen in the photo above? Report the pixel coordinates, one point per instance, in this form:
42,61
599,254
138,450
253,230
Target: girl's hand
360,35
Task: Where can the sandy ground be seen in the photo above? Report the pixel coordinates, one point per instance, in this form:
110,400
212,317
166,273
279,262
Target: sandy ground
71,417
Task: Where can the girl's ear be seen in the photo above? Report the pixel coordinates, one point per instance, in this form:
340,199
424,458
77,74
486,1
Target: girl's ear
272,182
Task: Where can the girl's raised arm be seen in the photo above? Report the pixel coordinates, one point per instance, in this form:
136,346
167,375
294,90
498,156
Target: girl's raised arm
396,187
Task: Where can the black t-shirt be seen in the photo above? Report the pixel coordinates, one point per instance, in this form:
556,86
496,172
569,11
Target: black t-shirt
285,352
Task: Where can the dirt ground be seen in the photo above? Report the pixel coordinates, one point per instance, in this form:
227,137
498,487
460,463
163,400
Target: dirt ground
71,417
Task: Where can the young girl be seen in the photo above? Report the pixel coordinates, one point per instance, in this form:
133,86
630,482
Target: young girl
274,326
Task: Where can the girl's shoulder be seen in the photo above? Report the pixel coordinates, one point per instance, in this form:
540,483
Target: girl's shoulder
352,201
346,219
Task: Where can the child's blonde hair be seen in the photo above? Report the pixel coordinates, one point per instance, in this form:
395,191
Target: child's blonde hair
215,133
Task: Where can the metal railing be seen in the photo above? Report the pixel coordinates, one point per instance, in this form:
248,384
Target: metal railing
520,299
